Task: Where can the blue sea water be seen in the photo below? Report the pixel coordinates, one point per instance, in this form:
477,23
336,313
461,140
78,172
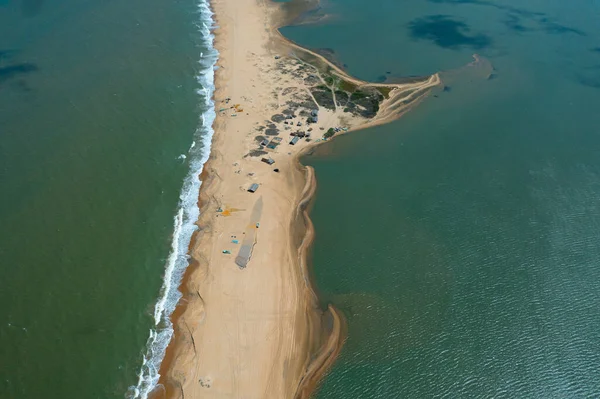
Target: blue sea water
105,118
461,241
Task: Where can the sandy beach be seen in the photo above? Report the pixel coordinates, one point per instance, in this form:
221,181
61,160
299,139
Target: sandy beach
249,324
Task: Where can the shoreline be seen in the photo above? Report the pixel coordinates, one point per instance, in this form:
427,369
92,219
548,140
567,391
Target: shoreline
317,334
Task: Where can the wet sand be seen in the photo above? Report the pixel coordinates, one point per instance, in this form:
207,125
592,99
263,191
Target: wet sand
258,331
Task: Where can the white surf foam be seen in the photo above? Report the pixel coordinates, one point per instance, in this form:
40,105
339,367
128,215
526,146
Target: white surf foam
187,215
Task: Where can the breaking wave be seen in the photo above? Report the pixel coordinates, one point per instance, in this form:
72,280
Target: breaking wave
186,217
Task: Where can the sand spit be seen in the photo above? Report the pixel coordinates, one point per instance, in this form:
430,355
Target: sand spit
258,331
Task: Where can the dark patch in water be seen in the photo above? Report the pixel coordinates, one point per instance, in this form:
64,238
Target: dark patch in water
589,82
589,78
380,79
555,28
13,71
513,22
447,32
595,50
447,88
6,54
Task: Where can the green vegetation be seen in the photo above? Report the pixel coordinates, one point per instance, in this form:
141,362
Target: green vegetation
385,91
346,86
329,133
357,95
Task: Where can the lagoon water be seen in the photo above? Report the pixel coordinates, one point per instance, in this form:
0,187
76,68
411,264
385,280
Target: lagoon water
99,108
462,241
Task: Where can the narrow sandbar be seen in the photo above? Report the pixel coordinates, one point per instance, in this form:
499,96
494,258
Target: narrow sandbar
257,331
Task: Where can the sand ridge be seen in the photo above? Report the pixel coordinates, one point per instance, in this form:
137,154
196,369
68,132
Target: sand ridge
257,331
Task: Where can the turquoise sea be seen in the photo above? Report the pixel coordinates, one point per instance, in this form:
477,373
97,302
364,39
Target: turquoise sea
104,125
461,242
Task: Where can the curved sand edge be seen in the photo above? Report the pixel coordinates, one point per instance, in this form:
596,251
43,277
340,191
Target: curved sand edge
257,332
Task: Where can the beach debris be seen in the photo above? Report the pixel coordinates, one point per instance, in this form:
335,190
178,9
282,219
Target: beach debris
225,251
276,170
205,382
251,174
277,57
219,209
235,241
257,225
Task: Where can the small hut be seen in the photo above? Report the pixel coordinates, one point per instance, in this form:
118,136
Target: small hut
253,188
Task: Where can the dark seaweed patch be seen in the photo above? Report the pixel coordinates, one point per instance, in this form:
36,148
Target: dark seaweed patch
12,71
447,32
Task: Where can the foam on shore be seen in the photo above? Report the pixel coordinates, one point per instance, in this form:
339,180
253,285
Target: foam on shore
186,217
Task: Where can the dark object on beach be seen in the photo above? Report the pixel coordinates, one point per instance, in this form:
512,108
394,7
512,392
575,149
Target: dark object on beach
276,170
253,188
256,153
278,118
294,140
329,133
268,161
264,142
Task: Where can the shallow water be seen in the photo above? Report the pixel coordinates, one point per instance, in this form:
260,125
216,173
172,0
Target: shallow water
460,241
